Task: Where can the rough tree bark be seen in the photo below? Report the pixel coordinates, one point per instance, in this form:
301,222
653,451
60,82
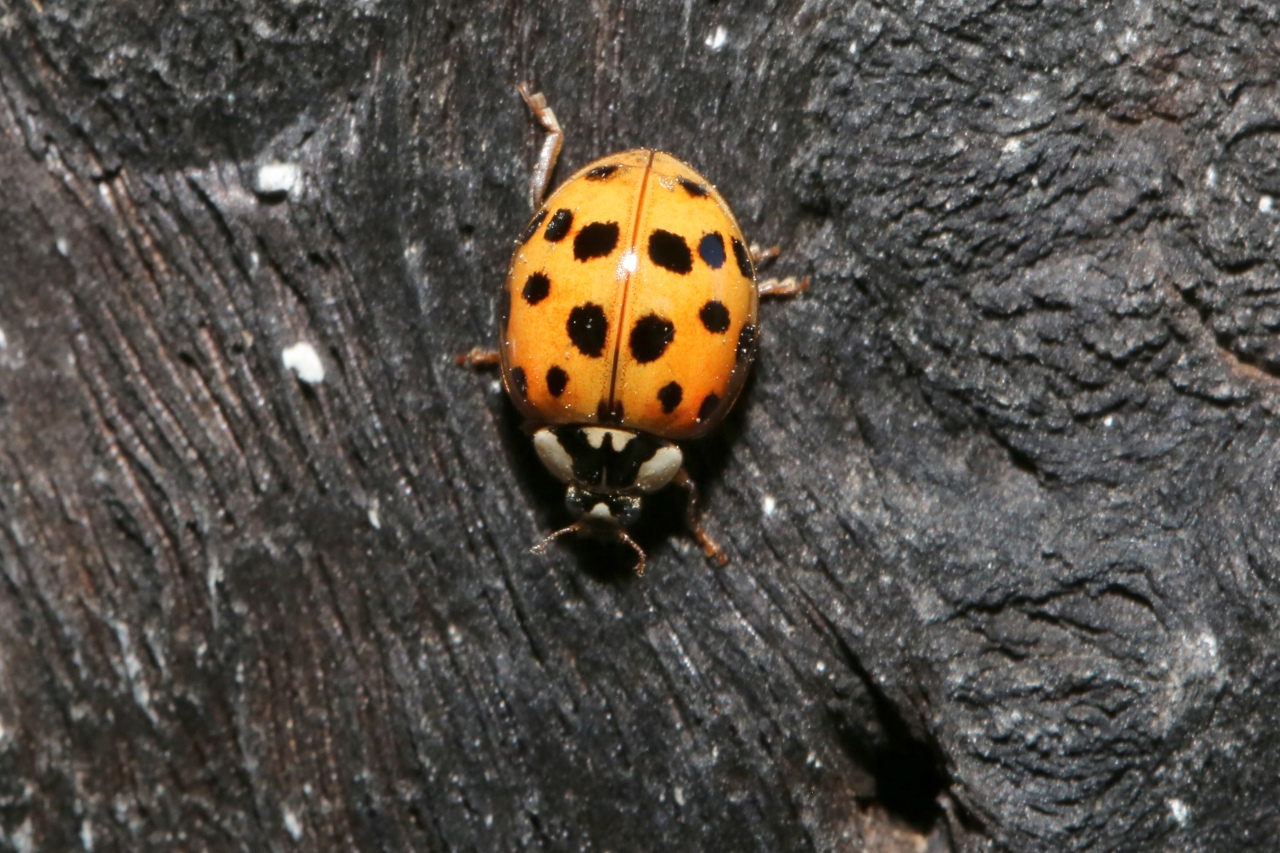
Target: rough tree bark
1000,500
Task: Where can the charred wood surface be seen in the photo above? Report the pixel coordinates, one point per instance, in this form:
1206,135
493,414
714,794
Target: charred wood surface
1000,499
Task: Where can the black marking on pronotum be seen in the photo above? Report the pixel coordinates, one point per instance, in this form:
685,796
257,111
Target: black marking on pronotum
588,329
669,396
536,288
708,408
609,414
693,188
533,226
595,240
743,257
650,337
558,227
519,382
606,466
711,250
747,342
715,317
557,379
602,173
670,251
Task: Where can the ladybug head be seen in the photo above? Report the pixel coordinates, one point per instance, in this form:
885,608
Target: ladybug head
602,512
607,470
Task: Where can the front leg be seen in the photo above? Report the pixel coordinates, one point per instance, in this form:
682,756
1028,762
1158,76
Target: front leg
550,152
709,546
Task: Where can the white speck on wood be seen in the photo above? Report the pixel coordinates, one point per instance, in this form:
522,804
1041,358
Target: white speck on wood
718,39
291,823
303,360
277,178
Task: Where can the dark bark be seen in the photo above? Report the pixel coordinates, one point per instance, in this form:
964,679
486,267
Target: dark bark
1000,501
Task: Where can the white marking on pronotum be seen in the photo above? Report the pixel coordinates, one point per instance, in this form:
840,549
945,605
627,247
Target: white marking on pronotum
595,437
303,360
659,469
553,455
601,511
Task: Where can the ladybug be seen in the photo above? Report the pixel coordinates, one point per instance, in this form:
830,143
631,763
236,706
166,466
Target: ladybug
628,322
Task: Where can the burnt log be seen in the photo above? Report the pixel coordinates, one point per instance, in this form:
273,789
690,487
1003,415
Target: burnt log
999,501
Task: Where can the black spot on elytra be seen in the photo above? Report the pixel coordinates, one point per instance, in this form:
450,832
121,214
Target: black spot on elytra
711,250
609,414
559,225
669,396
747,342
602,173
533,226
556,380
504,309
693,188
708,408
536,288
519,382
588,329
743,258
595,240
670,251
650,337
715,317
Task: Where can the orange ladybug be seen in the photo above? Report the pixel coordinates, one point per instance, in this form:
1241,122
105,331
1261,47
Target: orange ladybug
627,323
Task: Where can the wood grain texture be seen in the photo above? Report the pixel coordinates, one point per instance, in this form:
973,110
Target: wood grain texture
999,499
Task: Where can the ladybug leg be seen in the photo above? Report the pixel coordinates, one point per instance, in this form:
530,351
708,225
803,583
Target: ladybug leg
479,357
635,546
541,177
788,286
578,527
761,256
709,546
563,531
